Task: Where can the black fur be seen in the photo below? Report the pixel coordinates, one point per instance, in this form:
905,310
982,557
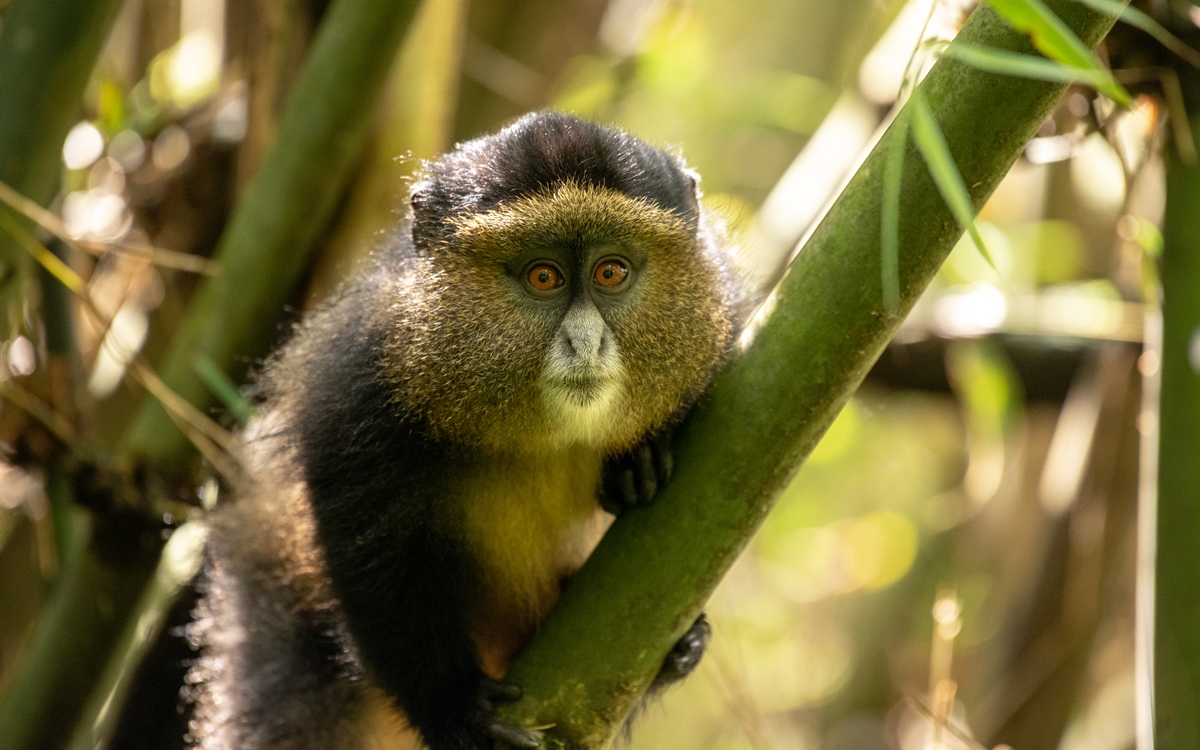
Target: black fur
541,150
404,585
293,675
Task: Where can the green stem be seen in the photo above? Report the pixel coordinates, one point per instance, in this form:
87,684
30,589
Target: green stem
97,588
1177,606
652,573
177,566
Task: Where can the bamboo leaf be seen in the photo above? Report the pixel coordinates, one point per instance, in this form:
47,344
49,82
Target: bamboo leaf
942,168
1026,66
1140,20
1049,34
223,388
1055,40
180,561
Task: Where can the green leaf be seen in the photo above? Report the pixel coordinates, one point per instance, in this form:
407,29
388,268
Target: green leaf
1050,35
1140,20
889,246
222,387
1055,40
1027,66
942,168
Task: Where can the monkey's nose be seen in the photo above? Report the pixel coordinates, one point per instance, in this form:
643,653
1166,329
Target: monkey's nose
586,344
583,335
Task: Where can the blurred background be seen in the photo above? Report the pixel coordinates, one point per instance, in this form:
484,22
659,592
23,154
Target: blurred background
954,564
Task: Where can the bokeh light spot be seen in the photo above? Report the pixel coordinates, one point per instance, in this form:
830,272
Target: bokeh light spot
880,548
83,146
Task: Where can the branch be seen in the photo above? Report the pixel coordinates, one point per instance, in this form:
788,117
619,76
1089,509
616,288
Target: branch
284,211
654,570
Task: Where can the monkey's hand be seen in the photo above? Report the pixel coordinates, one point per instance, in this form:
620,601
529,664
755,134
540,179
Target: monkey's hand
479,729
492,694
686,654
633,478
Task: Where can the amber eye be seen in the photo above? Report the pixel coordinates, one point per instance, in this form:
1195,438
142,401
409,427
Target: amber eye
610,273
544,277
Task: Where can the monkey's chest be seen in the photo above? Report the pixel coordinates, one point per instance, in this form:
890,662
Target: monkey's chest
531,524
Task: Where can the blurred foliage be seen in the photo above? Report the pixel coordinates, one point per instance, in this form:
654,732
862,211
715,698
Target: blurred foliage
740,84
824,628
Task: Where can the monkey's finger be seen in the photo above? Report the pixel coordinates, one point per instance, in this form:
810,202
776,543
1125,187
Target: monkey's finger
664,456
626,488
647,482
515,736
495,691
610,500
686,653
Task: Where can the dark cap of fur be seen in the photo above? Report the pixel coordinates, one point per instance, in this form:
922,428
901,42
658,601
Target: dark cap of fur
538,152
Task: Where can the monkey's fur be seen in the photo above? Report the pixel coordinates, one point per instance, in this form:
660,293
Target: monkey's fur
427,468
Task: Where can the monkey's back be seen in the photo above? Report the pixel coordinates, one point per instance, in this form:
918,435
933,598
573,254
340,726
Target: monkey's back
278,668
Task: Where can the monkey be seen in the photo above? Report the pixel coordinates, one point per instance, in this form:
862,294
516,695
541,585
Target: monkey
444,442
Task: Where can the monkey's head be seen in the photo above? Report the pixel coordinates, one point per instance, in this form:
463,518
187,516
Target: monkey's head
565,288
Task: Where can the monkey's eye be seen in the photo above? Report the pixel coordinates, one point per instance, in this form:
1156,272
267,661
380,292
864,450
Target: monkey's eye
544,277
610,273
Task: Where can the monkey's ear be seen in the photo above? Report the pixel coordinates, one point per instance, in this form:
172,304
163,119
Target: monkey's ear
692,179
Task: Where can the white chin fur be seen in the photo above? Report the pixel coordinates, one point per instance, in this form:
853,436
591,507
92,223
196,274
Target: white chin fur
582,417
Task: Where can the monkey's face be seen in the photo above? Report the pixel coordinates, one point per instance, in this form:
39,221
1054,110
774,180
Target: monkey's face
578,315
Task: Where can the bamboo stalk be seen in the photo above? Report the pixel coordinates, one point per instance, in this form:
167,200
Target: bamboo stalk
1176,663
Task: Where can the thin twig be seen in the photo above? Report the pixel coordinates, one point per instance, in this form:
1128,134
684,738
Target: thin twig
908,78
39,410
48,260
53,224
208,436
145,375
225,466
1181,126
950,726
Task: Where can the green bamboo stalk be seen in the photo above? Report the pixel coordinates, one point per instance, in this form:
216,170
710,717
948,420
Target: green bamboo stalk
47,51
650,576
1177,585
91,600
285,209
177,566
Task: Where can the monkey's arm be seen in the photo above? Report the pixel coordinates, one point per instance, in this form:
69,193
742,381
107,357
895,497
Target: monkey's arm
379,489
405,597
